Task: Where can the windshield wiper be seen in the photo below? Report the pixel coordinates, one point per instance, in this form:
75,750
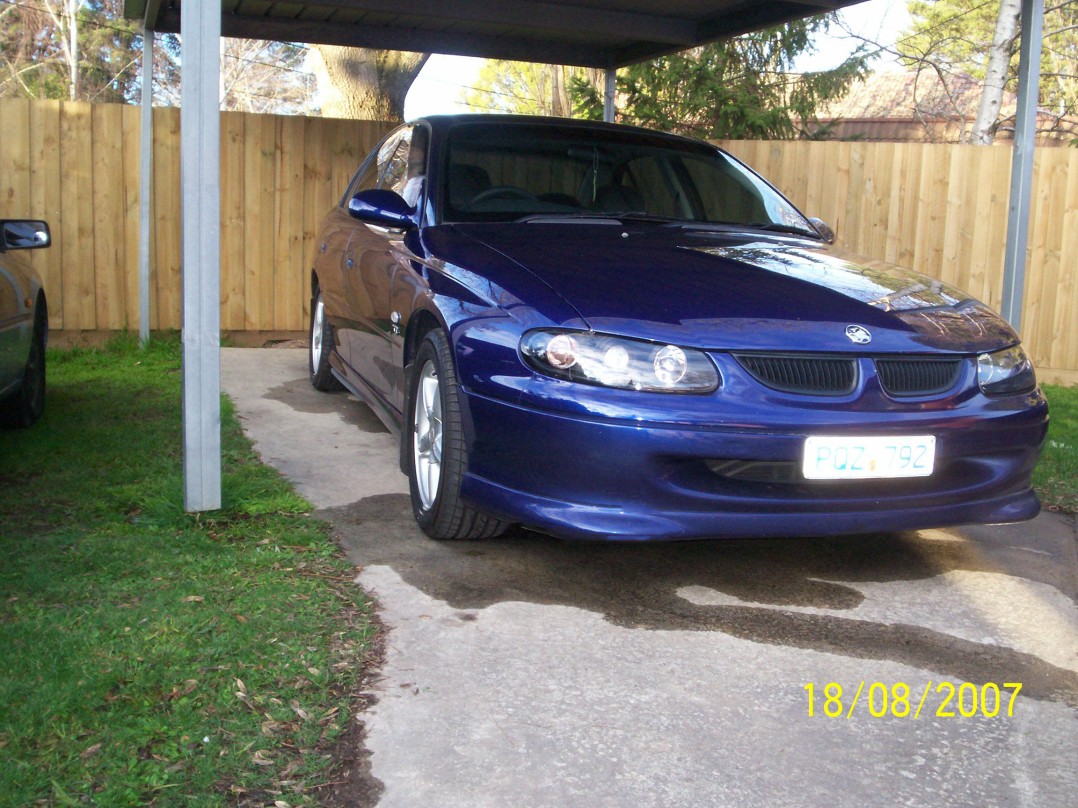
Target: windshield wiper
621,215
643,216
779,227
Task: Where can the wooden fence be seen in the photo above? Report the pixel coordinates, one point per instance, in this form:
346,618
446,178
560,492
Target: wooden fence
77,166
937,208
942,210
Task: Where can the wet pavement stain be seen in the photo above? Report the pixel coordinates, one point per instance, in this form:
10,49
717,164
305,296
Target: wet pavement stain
637,585
301,397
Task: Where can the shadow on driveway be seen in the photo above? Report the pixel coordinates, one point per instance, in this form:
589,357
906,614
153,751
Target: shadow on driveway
765,582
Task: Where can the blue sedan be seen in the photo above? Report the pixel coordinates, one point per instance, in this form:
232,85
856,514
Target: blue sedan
605,332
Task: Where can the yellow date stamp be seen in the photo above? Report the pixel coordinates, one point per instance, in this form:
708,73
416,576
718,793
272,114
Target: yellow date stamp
898,699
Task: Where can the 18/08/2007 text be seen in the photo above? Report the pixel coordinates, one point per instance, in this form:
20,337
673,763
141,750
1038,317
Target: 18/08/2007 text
964,700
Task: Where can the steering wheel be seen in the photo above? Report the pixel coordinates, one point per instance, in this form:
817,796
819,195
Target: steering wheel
502,192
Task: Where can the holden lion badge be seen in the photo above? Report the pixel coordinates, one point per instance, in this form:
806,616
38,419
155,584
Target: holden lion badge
858,334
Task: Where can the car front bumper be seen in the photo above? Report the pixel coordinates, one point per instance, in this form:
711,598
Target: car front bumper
584,475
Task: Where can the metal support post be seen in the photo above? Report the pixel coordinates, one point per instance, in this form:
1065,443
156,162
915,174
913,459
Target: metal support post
608,94
1025,133
145,188
200,126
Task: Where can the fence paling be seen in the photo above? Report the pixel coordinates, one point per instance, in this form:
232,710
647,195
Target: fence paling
944,209
938,209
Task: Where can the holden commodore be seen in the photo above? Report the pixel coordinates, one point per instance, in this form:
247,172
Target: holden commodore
599,331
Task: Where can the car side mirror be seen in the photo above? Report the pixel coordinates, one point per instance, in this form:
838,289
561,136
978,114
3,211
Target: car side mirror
24,234
824,229
382,207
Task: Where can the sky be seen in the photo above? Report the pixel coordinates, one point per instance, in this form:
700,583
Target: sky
438,87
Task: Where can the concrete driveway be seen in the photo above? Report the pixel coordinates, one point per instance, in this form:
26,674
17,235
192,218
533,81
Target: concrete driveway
527,671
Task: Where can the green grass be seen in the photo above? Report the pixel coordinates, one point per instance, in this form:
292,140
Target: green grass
148,655
1056,478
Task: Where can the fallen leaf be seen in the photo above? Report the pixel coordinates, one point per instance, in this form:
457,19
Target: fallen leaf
241,685
90,751
260,759
192,599
314,671
188,686
241,618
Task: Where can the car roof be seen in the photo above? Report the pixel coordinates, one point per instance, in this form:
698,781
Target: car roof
442,123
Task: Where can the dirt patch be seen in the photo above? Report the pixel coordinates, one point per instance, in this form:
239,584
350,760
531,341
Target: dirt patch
353,785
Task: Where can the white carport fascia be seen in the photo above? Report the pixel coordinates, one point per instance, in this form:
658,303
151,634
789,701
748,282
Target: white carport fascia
1025,135
200,126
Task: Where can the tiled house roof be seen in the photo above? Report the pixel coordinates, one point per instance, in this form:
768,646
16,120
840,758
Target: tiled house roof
910,94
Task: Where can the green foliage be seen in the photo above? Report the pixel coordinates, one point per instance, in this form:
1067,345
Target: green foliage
153,656
1056,477
739,88
34,60
954,36
527,88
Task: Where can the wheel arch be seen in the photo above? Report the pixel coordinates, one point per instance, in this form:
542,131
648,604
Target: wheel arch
421,323
41,308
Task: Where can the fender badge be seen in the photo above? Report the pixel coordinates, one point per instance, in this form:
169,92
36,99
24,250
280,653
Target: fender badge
858,334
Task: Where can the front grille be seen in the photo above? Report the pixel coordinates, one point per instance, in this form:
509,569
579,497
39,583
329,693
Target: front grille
917,376
819,376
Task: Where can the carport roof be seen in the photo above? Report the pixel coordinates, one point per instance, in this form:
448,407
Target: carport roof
592,33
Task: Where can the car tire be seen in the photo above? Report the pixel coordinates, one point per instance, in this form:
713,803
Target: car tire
25,406
321,343
436,452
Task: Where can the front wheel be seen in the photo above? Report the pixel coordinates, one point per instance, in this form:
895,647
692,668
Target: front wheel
436,451
321,344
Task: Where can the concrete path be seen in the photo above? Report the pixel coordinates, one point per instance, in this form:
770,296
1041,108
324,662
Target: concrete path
528,671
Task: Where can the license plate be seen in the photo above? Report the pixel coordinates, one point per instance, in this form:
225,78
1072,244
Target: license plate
851,458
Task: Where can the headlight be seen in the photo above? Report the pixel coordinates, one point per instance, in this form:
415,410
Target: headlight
582,356
1007,371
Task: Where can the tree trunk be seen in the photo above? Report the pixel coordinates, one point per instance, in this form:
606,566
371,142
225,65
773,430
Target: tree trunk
73,46
995,73
559,92
364,84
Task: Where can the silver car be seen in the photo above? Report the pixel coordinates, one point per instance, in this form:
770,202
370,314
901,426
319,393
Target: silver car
24,324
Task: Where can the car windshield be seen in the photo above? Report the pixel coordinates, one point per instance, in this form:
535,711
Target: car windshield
498,172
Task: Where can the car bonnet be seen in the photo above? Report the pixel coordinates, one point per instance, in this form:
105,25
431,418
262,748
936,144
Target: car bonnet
721,288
